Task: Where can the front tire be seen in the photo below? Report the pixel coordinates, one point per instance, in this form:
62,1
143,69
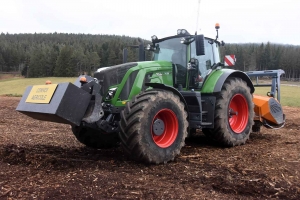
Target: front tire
234,114
153,126
94,138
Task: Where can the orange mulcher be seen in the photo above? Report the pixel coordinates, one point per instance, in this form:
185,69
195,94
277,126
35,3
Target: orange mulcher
268,110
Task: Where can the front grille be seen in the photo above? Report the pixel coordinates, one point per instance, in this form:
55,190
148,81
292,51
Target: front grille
113,75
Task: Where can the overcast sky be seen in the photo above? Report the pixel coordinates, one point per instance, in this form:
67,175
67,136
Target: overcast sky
241,21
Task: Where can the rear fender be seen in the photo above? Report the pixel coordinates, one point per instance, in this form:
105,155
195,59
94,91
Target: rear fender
216,80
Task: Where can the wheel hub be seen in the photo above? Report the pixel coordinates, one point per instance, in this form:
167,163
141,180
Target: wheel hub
158,127
232,112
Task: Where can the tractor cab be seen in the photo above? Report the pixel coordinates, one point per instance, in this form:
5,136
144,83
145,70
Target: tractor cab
192,57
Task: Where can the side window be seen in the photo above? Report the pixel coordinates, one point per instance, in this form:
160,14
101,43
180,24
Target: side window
164,54
206,60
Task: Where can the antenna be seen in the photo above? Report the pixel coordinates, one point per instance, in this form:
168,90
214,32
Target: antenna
199,1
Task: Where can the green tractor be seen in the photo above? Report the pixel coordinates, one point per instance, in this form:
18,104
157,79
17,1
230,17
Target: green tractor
150,107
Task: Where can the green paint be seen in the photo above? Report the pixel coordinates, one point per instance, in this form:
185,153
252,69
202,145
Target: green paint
212,80
159,72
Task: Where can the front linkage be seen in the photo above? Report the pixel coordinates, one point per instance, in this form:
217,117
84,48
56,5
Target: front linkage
99,115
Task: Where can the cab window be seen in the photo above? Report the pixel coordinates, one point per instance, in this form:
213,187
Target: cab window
205,61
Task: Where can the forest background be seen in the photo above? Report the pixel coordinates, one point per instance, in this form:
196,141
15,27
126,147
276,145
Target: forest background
69,55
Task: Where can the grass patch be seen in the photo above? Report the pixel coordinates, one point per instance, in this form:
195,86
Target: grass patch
13,95
289,95
290,82
16,87
269,81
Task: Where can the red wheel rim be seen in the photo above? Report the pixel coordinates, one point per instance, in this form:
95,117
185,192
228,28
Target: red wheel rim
170,132
238,113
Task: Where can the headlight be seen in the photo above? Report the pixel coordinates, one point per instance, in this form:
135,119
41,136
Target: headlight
148,47
154,38
111,93
182,32
182,40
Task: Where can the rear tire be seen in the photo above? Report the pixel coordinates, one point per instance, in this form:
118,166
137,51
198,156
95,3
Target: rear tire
153,126
94,138
233,118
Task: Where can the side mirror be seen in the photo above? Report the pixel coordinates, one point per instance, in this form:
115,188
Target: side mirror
199,42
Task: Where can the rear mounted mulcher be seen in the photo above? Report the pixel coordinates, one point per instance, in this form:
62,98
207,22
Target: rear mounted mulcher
268,110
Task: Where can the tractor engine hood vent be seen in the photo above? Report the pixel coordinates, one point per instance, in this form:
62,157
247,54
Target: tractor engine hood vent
112,75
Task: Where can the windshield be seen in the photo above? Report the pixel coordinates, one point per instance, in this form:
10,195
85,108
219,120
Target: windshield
207,60
171,50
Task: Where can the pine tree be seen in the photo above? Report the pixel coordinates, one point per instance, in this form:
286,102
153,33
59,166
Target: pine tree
37,63
2,63
78,60
112,57
93,62
64,67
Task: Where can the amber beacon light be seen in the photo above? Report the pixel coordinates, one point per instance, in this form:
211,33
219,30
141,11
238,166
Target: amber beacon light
48,82
83,80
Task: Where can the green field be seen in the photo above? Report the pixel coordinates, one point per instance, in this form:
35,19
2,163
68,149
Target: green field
290,95
17,86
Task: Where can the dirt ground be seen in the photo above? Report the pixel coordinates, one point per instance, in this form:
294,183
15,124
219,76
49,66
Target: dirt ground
42,160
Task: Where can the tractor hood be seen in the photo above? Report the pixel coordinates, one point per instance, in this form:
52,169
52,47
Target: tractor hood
113,75
159,71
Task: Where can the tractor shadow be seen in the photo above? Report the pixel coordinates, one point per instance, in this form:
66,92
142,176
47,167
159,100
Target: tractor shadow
62,158
198,139
58,158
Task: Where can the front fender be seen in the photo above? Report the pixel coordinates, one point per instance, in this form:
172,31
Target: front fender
170,88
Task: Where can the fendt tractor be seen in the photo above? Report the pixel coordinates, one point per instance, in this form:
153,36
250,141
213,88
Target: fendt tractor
150,107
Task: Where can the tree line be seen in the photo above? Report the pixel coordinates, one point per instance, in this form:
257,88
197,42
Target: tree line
252,56
62,54
67,55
